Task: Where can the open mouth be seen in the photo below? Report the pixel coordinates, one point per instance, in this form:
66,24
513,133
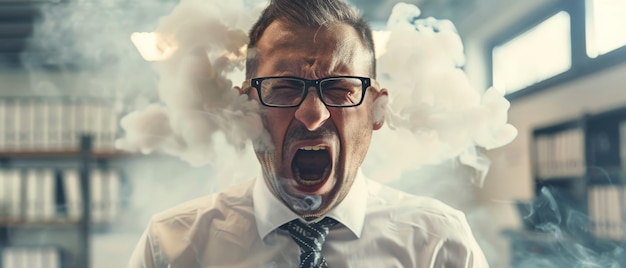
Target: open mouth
311,165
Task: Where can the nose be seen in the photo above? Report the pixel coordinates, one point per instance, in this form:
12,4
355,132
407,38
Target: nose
312,112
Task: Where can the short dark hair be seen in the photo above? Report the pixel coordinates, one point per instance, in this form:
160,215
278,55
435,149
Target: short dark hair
311,13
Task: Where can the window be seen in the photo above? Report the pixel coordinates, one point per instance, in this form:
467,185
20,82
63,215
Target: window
606,25
533,56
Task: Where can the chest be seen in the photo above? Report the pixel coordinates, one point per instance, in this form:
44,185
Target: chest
375,248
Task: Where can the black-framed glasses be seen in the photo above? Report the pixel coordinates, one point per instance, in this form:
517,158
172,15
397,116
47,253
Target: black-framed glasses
290,91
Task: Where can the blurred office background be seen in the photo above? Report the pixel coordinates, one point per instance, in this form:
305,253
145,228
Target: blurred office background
70,70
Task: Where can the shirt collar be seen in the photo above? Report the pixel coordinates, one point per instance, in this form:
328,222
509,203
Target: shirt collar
270,213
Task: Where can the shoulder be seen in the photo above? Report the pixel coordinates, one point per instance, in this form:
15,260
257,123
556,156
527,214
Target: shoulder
230,197
411,211
437,228
171,231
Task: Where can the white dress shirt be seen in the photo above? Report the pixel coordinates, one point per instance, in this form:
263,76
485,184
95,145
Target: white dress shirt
378,227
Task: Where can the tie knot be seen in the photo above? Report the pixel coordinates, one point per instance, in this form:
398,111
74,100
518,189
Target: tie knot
310,238
317,230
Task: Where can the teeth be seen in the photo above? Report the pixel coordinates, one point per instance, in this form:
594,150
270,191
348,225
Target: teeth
313,148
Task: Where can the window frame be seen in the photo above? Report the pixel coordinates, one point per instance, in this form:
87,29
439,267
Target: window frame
581,64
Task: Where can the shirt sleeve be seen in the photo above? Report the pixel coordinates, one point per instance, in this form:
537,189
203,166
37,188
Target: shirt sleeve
459,248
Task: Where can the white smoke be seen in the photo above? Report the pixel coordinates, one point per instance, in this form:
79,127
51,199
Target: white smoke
86,43
433,111
196,88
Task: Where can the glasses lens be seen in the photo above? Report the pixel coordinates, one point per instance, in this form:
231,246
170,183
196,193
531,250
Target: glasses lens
282,91
342,91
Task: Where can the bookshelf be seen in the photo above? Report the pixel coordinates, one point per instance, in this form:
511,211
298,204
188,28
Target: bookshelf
52,124
58,180
579,169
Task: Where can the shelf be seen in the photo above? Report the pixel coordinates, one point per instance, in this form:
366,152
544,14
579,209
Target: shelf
563,183
585,159
52,223
606,175
594,176
34,223
30,154
537,236
559,179
555,128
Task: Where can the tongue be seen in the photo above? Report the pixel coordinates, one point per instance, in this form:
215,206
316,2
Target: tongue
311,164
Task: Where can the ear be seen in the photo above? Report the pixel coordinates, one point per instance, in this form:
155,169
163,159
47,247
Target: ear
238,88
379,108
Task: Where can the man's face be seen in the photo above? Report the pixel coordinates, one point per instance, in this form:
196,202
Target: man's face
318,150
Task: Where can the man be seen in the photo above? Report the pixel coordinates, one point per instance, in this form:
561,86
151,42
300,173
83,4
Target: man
311,66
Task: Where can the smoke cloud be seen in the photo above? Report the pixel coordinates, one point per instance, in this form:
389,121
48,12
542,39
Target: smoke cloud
566,235
86,44
433,111
195,87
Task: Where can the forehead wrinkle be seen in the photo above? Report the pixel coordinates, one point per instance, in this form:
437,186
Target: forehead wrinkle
350,51
342,51
341,44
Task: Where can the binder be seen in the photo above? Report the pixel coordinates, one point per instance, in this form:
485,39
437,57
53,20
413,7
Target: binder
4,195
622,141
568,154
68,130
71,185
104,194
25,134
558,154
592,207
114,191
31,256
34,202
48,199
542,156
614,208
9,258
3,124
82,119
77,123
110,127
37,260
96,126
603,231
35,257
14,258
11,120
40,126
15,193
54,126
578,151
51,257
10,194
97,185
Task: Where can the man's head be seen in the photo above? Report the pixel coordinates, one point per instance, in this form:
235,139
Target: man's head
320,140
313,14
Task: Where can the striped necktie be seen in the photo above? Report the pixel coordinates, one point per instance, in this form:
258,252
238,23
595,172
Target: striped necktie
310,238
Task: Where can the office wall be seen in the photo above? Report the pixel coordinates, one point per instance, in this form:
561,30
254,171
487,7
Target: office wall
510,177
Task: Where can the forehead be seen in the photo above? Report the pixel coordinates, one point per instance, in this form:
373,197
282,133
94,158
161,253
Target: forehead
312,51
